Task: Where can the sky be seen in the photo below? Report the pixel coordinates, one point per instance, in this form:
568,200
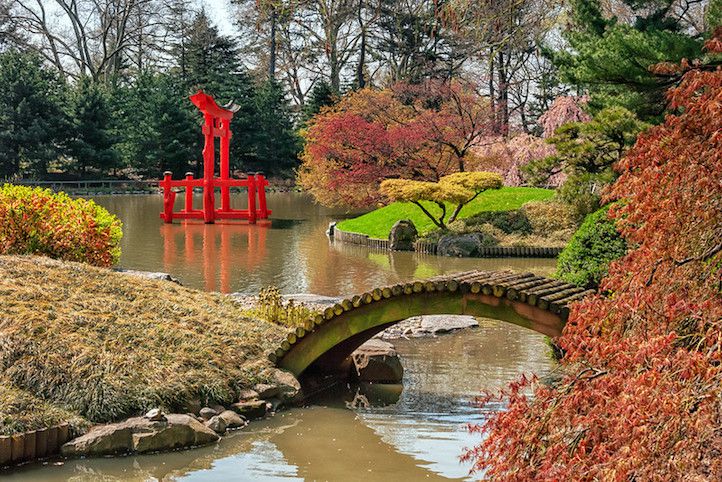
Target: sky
220,13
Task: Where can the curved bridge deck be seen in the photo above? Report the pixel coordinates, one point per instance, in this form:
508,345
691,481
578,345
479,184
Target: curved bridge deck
323,344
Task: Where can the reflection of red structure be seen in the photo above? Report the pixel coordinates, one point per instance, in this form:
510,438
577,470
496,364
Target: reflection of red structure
217,124
214,250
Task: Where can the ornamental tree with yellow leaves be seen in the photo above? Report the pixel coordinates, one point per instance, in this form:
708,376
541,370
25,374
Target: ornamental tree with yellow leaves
455,191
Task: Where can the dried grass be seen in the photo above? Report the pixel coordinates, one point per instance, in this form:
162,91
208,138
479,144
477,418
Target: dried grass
108,345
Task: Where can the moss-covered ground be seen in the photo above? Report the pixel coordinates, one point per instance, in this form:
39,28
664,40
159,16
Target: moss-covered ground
378,223
91,344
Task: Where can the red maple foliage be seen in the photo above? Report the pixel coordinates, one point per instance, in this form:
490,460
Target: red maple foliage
640,398
421,132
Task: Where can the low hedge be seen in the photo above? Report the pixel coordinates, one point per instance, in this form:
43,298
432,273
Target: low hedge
39,221
585,260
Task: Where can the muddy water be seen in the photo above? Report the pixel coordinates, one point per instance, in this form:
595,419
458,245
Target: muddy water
417,436
410,432
289,251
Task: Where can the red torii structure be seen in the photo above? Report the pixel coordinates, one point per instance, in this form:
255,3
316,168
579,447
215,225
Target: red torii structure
217,123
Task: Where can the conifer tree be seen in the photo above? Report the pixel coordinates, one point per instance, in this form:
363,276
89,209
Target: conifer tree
611,57
33,123
93,142
276,142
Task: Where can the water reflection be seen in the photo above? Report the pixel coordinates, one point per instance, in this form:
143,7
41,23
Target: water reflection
215,251
292,252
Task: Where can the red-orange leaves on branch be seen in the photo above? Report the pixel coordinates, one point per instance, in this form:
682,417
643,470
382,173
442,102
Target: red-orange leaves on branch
640,396
420,132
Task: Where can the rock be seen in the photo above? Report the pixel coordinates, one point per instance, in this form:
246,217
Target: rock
250,410
377,361
247,394
141,435
266,390
331,229
403,235
217,424
232,419
149,275
207,413
464,245
155,415
312,300
288,386
218,408
446,323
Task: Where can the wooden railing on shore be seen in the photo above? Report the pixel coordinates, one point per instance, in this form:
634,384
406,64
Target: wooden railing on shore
32,445
89,183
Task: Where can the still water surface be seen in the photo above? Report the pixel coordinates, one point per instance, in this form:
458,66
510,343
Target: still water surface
414,432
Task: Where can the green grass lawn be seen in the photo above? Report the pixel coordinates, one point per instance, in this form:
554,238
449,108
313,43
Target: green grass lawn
378,223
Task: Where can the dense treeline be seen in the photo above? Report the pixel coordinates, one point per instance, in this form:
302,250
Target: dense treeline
137,121
111,79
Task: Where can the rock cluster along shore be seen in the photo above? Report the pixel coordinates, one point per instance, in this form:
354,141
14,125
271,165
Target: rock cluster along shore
157,431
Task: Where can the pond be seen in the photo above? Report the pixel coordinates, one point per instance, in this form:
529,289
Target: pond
364,433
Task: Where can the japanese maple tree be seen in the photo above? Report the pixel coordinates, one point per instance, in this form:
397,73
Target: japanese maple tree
640,394
421,132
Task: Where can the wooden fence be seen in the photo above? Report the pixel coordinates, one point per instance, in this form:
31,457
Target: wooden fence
427,247
33,445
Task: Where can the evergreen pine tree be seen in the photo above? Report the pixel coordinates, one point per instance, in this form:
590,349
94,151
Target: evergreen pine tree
611,58
276,142
33,122
212,63
93,142
321,95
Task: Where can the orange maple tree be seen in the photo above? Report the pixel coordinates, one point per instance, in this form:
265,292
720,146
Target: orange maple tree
641,397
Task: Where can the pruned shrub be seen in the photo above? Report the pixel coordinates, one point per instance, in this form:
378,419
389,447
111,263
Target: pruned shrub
39,221
547,217
514,221
585,260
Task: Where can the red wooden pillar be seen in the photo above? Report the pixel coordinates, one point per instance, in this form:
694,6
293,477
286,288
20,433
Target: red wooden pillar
168,198
189,193
251,199
261,184
208,171
225,134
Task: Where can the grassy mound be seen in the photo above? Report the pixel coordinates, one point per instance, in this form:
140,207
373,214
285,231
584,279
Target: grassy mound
378,223
106,345
20,412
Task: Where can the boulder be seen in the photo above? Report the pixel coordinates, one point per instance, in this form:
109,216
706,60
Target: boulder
155,415
403,235
217,424
433,324
288,386
266,390
207,413
250,409
464,245
247,394
149,275
140,435
377,361
232,419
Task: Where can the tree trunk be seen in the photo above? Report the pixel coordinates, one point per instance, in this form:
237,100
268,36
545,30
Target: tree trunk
273,47
360,80
503,119
492,94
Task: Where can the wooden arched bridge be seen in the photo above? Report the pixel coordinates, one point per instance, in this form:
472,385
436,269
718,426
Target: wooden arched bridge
324,344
